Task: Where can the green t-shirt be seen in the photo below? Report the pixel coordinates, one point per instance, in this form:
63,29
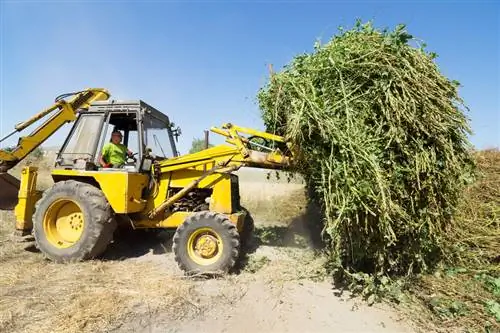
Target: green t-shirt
115,154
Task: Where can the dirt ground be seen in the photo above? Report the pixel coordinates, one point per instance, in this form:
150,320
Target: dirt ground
279,286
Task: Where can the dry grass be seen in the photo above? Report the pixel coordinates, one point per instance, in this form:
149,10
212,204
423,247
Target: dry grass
273,203
94,296
39,296
294,264
44,179
461,296
475,240
453,302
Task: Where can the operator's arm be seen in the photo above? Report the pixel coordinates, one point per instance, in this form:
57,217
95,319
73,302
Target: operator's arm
104,154
102,162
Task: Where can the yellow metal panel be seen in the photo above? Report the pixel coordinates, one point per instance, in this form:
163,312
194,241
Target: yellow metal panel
207,157
28,196
182,178
122,189
172,221
176,219
221,200
160,192
7,156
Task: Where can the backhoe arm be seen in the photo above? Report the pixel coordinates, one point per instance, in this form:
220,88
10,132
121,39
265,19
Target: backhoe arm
62,112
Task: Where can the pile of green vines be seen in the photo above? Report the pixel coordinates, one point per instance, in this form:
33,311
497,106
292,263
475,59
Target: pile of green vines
383,144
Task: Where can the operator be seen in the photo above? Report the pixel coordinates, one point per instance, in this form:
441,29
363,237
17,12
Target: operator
114,153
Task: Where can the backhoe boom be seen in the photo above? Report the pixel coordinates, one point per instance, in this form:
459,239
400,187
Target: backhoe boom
62,112
66,112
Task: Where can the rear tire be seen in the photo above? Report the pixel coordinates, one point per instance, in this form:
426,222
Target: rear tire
73,221
206,243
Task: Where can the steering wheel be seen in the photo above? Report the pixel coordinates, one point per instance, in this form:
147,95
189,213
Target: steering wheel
132,158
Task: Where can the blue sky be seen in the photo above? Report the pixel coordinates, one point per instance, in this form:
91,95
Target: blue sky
202,63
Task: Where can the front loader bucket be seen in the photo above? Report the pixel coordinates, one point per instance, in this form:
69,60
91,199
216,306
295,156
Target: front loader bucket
9,189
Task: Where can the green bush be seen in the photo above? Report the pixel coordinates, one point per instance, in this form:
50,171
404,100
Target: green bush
198,145
37,153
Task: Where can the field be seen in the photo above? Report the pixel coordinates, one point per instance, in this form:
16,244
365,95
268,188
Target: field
280,286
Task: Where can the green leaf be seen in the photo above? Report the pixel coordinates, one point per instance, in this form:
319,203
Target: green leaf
494,309
455,271
371,299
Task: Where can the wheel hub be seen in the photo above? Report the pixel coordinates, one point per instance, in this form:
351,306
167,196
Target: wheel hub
76,221
63,223
206,246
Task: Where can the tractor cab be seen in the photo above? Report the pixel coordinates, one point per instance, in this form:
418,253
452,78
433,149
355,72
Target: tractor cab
146,132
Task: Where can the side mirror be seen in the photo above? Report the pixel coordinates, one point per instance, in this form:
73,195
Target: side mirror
176,132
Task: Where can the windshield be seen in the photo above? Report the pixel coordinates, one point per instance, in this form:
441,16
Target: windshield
158,138
83,140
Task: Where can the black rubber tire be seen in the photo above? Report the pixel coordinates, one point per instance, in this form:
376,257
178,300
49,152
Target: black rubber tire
223,227
99,225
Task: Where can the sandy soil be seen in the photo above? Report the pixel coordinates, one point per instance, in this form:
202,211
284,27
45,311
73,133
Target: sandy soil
274,299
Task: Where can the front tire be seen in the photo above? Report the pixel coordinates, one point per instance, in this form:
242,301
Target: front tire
206,243
73,221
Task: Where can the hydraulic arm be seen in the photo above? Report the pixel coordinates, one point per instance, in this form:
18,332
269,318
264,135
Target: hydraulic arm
225,159
272,153
61,112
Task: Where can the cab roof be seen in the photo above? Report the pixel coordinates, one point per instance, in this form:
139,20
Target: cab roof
125,106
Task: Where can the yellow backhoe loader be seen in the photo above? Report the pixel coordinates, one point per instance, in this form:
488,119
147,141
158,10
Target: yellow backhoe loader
195,194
